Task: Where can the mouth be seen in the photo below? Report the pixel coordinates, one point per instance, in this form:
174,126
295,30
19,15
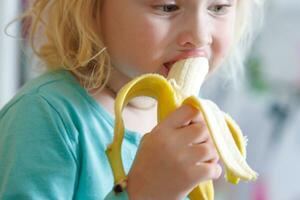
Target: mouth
185,55
168,65
166,68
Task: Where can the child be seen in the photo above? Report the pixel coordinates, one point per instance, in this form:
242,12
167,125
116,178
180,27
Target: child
54,132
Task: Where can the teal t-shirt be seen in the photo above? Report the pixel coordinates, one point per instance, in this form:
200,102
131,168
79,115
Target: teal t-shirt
53,137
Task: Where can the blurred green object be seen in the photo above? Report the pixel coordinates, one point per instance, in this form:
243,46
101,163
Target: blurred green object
255,76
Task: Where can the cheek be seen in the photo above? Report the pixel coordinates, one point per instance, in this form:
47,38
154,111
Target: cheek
134,41
223,39
141,49
148,40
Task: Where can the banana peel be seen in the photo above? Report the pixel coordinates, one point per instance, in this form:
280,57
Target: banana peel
170,94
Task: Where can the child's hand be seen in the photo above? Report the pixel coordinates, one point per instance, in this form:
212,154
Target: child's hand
173,158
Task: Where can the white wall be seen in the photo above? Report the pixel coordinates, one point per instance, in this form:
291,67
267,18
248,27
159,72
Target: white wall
8,51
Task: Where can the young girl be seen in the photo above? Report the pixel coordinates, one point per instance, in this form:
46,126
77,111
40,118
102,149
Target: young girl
54,132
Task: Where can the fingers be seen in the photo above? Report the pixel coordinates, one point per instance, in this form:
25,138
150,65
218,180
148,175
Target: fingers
200,153
195,133
207,171
183,116
205,152
204,159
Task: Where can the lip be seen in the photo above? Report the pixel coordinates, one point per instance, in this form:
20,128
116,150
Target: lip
185,55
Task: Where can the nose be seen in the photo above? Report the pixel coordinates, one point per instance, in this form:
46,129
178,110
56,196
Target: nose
195,31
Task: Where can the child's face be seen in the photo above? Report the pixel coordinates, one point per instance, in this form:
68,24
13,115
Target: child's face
147,35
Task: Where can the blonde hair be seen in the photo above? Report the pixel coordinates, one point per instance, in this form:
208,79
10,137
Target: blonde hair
249,21
73,40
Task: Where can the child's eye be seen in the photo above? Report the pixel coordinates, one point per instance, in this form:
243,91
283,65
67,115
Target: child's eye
221,9
167,8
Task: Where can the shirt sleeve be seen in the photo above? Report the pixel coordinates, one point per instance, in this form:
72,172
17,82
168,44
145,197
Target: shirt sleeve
121,196
36,156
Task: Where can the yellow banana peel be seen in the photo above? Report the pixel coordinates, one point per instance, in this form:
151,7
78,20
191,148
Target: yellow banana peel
181,87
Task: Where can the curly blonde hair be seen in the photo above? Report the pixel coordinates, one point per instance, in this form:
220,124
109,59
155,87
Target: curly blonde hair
71,39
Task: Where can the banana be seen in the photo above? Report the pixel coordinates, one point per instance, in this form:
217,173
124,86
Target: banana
181,87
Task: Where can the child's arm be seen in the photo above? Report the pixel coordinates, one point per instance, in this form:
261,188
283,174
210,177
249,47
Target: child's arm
173,158
36,161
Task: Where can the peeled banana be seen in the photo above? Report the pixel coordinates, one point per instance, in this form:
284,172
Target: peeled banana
181,87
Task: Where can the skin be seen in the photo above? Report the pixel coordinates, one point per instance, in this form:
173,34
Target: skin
141,36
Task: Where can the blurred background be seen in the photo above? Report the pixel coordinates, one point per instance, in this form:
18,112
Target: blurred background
265,104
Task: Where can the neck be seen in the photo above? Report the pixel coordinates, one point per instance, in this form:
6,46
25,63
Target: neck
117,80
